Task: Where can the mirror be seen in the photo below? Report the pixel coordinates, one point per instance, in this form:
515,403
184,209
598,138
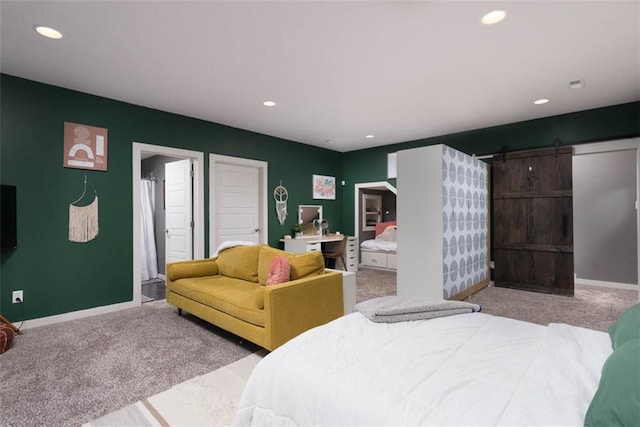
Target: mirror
324,226
307,214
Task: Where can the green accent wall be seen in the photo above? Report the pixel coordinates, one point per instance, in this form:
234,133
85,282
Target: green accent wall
59,276
601,124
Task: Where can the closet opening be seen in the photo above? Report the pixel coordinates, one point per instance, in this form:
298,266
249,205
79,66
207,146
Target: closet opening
154,229
168,214
375,211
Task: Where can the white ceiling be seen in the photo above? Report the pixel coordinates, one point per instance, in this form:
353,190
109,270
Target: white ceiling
338,70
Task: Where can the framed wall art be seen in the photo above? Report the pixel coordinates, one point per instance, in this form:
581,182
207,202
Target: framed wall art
324,187
85,147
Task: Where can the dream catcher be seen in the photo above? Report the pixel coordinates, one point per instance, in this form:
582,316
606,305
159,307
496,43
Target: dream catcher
281,195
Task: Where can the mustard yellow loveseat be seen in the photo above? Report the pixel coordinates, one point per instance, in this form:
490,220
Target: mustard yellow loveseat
230,292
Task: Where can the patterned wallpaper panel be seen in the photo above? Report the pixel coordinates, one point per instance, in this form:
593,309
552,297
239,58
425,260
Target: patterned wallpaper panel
464,221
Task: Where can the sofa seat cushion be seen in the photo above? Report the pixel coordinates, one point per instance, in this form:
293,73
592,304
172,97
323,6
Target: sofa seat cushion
234,297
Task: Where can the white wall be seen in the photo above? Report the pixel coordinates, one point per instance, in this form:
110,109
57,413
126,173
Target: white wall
419,205
604,215
605,190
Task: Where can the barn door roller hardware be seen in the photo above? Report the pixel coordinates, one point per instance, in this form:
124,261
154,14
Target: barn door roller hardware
503,152
556,146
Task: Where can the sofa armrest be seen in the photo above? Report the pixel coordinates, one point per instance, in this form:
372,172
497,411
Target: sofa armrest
195,268
299,305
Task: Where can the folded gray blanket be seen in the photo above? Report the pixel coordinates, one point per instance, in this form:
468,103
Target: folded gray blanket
400,309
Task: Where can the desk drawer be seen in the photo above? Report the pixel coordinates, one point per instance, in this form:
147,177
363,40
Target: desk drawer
374,259
314,247
352,262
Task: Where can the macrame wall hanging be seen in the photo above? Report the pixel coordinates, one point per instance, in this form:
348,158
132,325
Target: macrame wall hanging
83,220
281,195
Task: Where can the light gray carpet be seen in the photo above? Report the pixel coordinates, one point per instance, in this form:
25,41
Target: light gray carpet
372,283
73,372
591,307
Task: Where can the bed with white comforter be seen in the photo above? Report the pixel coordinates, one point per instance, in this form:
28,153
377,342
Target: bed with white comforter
469,369
385,241
379,245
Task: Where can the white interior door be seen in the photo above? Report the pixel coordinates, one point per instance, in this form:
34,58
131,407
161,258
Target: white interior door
178,211
237,206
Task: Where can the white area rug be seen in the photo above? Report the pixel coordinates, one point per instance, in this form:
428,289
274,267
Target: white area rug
207,400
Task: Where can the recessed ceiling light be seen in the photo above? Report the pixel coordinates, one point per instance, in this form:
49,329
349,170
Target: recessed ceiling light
494,17
269,103
48,32
370,136
541,101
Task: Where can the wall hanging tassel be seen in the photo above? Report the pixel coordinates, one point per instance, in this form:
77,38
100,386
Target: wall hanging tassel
83,220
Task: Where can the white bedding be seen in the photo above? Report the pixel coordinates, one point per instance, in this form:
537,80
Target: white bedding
379,245
386,241
469,369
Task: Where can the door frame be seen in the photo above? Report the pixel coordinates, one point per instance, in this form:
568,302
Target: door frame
219,159
198,203
380,185
618,145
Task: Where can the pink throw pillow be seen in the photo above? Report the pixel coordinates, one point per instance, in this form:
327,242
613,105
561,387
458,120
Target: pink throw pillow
381,226
279,271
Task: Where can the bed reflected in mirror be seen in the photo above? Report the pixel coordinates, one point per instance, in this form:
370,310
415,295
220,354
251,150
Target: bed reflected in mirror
309,216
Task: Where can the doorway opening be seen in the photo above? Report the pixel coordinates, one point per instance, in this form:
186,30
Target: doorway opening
386,209
596,261
606,179
164,154
375,203
156,239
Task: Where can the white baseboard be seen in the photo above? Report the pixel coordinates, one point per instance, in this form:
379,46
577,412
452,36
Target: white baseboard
616,285
162,276
74,315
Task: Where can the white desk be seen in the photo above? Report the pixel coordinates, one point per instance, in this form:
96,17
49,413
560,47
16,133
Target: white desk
314,243
309,244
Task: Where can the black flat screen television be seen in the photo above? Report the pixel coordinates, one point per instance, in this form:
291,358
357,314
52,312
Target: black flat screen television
8,217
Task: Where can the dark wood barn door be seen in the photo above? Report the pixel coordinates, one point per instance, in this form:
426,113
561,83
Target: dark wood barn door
533,220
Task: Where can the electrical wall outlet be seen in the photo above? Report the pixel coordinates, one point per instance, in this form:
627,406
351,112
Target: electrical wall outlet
17,295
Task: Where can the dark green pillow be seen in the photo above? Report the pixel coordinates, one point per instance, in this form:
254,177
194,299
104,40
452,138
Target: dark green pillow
626,328
617,400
